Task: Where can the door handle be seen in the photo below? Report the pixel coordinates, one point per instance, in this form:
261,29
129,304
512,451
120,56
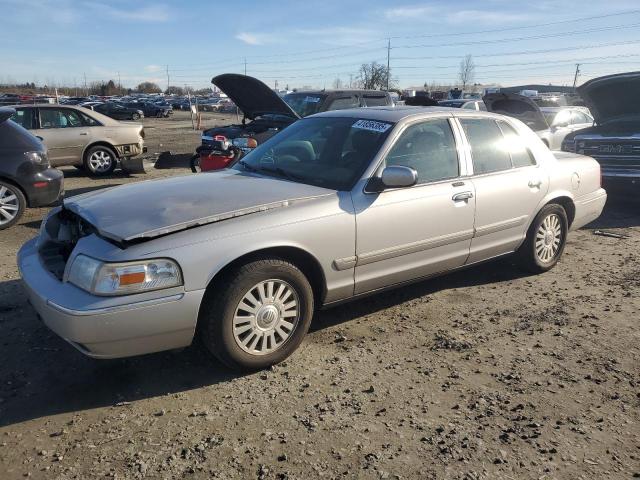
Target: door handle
462,196
84,133
535,183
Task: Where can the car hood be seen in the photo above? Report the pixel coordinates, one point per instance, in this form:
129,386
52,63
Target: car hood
150,209
613,97
252,96
517,106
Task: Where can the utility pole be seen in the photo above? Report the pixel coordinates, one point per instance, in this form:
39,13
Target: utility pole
167,77
388,61
245,65
119,84
86,90
575,78
351,80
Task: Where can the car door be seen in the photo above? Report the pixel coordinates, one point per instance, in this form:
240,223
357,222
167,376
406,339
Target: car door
64,133
408,233
508,185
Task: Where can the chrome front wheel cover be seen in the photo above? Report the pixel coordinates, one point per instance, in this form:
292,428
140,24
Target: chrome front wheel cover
100,161
266,317
548,238
9,205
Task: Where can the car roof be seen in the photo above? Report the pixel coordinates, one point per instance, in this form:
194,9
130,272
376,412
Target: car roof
399,113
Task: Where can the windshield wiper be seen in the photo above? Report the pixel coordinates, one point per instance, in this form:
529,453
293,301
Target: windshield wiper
281,172
248,167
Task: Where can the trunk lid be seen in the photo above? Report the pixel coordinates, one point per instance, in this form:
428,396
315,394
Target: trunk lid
613,97
252,96
517,106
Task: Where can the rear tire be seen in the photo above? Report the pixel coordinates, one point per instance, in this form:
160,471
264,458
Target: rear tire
100,161
258,315
12,204
135,116
546,239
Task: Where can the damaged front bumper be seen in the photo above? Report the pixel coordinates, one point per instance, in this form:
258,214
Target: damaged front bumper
107,327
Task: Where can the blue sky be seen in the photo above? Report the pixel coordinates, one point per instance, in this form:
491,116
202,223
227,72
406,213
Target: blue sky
313,43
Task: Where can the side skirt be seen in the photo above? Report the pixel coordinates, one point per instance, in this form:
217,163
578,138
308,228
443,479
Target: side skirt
327,306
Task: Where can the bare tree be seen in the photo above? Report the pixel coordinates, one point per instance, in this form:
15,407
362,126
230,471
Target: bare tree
149,87
467,71
373,76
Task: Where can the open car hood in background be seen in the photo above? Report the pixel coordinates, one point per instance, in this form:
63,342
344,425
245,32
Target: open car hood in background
517,106
613,97
252,96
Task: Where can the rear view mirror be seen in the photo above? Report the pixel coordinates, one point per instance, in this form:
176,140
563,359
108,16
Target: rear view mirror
397,176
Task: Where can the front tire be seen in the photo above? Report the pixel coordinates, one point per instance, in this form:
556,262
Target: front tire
546,239
135,116
259,314
100,161
12,204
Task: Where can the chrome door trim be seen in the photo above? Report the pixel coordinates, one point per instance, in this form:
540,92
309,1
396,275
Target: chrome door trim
414,247
498,226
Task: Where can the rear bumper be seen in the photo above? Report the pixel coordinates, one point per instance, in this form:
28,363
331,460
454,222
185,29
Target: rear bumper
108,328
588,208
45,188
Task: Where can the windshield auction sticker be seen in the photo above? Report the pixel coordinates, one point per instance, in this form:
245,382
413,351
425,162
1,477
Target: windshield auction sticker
372,125
312,99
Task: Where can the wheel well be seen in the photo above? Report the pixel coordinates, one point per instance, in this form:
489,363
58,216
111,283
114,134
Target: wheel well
302,259
15,184
568,205
99,144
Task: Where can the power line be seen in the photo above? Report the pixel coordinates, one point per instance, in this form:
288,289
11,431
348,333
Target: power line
519,39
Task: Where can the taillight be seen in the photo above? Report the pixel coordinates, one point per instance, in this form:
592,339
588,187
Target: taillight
600,168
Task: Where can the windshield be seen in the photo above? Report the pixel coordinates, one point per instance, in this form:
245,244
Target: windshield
305,104
325,152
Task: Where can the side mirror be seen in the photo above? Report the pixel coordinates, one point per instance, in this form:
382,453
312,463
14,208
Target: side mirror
397,176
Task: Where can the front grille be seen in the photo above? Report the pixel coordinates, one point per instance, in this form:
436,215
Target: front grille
618,153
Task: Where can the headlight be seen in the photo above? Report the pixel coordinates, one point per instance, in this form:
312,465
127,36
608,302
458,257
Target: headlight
39,158
107,279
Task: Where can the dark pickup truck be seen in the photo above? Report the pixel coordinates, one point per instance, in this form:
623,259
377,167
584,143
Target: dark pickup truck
614,140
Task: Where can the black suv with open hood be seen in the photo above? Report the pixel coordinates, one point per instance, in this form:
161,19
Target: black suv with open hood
265,113
614,141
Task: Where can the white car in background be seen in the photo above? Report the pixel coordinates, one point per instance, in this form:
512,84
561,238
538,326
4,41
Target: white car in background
562,121
551,124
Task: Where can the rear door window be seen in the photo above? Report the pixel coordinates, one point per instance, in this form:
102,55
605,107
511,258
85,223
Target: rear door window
515,145
487,145
24,117
59,118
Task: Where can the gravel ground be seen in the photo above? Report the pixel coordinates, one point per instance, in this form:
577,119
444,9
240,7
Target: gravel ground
484,374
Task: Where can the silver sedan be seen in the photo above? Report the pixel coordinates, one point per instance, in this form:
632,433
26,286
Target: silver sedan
338,206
